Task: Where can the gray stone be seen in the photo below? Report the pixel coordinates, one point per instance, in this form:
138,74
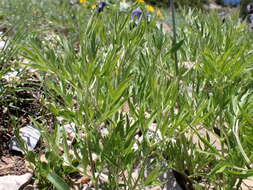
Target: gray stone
172,183
30,135
167,178
14,182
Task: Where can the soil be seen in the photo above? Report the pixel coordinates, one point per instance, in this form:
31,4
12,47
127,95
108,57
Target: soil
11,163
16,108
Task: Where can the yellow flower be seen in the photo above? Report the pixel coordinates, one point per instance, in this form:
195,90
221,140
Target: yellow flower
150,8
83,1
140,1
159,13
93,6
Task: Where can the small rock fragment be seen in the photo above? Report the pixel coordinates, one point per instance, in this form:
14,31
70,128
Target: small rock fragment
14,182
154,133
213,6
247,184
169,178
202,131
70,130
2,44
11,75
30,135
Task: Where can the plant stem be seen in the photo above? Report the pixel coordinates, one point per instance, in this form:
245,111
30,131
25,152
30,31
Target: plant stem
92,164
171,4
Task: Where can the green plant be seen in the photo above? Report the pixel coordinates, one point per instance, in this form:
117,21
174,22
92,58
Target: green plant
131,109
99,78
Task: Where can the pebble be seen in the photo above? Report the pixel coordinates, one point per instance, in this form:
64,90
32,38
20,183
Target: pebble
247,184
11,76
168,178
172,183
30,135
2,44
70,130
14,182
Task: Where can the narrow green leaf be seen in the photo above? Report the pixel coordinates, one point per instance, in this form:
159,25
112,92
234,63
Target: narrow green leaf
57,181
152,177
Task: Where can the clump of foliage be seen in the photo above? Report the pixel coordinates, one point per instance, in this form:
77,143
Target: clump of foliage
93,65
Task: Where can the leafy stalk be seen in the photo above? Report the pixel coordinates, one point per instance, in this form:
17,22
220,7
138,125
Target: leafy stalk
172,6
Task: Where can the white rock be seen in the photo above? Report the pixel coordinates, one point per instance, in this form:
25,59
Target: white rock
60,119
2,44
11,76
104,132
103,177
30,135
247,184
214,6
154,133
14,182
203,132
70,130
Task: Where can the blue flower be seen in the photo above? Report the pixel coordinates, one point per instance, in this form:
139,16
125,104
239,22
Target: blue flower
101,6
136,15
223,16
250,8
